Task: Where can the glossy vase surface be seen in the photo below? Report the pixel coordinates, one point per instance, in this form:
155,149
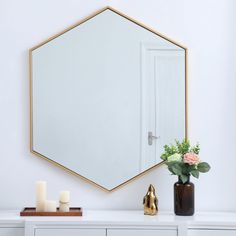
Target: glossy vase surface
184,198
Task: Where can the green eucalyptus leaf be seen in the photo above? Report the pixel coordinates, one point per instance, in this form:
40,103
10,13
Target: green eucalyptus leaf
177,170
174,167
185,168
164,157
170,169
203,167
195,173
184,178
192,167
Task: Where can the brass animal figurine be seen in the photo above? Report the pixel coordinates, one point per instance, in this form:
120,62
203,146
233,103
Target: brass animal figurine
150,202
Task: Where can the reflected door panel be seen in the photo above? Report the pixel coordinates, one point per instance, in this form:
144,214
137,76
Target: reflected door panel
163,103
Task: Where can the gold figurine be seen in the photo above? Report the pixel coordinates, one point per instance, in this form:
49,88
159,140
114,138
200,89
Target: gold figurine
150,202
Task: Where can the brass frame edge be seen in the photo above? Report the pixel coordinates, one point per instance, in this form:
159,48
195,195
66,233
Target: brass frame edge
186,93
54,163
67,169
31,93
69,28
31,99
146,27
97,13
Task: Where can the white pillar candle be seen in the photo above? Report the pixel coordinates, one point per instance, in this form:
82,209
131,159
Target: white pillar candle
41,191
64,201
50,206
64,196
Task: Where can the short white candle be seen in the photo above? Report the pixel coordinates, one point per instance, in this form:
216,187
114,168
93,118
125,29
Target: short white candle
64,201
50,206
65,196
41,192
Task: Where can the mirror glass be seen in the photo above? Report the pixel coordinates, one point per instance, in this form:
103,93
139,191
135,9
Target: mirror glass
107,95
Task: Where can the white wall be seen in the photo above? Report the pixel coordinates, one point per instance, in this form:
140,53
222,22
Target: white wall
206,27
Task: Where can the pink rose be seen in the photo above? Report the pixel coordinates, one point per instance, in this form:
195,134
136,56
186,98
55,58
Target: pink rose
191,158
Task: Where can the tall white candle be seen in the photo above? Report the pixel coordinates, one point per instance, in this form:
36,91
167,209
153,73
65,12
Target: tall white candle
50,206
41,192
64,201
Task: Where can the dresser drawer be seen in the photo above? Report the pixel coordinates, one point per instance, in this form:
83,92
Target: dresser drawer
211,232
70,232
141,232
11,232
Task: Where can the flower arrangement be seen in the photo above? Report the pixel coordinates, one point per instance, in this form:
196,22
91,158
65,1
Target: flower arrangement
183,160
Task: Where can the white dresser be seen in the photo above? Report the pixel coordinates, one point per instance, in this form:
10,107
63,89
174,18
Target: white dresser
11,224
119,223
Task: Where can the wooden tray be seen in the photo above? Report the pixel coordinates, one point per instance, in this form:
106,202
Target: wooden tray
31,211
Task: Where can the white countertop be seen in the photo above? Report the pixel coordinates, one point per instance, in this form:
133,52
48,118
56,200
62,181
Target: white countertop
125,218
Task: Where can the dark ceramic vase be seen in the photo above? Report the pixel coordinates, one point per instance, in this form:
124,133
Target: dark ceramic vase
184,198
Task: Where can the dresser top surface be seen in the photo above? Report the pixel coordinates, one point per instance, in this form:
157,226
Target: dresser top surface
125,217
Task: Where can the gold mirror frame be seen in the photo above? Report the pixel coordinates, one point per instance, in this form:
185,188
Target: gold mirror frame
70,28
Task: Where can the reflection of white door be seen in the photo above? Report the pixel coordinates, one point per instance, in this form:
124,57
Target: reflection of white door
163,100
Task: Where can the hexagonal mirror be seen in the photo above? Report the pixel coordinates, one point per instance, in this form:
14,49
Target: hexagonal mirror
106,95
